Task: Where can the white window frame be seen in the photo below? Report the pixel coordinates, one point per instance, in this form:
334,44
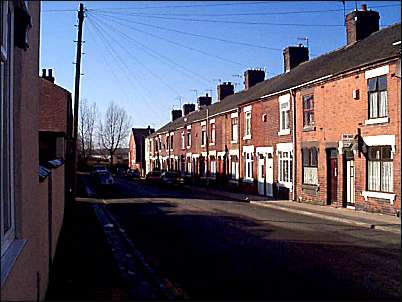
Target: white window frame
247,122
203,135
6,119
284,107
183,141
213,132
234,135
248,158
188,138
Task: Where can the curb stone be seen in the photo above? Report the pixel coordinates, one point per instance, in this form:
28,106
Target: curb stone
337,219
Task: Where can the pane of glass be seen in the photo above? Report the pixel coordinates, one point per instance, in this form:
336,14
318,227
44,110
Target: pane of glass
373,175
386,153
305,156
382,83
314,159
373,105
383,104
372,84
387,177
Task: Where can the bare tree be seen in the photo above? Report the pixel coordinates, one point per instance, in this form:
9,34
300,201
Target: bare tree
114,129
87,117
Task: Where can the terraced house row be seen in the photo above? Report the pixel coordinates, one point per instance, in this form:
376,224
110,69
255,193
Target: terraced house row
326,131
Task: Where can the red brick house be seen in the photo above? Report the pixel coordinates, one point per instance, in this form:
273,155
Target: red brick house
343,105
136,154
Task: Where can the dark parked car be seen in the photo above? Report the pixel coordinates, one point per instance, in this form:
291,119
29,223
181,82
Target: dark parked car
153,177
133,174
171,178
103,178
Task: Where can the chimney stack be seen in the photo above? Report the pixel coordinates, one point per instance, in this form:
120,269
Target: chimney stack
48,76
187,108
204,101
223,90
294,56
176,113
252,77
361,24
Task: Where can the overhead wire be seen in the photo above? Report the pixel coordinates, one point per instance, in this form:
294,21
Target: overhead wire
130,55
185,46
115,55
172,63
191,34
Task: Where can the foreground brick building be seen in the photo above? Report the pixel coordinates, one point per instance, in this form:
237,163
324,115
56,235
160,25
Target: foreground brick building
326,131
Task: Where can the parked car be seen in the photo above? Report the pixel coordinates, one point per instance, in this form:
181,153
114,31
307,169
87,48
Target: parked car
121,171
103,178
171,178
153,177
134,173
97,169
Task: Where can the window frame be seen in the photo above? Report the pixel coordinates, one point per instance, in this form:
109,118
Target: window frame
248,166
381,160
247,124
213,133
203,135
7,172
188,139
285,161
309,162
377,90
309,112
284,107
234,129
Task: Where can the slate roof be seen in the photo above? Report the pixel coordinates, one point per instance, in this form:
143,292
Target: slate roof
375,48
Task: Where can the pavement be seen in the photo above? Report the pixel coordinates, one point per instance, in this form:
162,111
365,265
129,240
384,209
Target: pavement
378,221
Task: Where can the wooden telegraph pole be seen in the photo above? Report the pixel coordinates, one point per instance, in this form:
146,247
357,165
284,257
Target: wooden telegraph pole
76,100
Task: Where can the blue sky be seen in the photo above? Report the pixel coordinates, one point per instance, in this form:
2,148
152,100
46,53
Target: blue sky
137,55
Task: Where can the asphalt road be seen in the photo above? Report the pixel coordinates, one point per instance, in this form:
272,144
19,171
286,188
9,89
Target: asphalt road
222,249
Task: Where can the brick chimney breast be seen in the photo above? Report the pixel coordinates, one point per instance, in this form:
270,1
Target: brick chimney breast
223,90
204,101
176,113
294,56
253,77
187,108
361,24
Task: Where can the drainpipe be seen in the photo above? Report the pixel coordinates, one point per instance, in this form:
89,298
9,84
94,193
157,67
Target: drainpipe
207,145
293,101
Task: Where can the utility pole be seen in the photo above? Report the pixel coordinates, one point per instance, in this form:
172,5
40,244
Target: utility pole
76,98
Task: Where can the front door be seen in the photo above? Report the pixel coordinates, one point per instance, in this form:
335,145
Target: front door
270,175
261,174
350,183
332,178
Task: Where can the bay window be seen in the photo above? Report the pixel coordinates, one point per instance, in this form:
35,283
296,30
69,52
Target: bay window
248,165
285,166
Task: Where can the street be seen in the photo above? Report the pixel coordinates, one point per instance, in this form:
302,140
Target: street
211,248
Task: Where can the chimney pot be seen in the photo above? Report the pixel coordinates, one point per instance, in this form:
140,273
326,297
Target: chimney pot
294,56
253,77
361,24
223,90
43,72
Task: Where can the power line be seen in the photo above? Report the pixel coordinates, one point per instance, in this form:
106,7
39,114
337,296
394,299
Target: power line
259,13
192,5
185,46
192,34
229,21
115,55
158,56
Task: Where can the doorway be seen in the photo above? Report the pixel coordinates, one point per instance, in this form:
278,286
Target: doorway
332,175
265,174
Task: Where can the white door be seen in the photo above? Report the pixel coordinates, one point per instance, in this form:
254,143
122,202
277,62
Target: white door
269,175
350,182
261,174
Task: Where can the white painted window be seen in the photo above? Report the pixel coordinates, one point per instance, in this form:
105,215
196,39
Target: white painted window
203,135
188,138
377,96
171,141
235,134
248,165
183,142
7,218
247,124
284,116
380,169
213,131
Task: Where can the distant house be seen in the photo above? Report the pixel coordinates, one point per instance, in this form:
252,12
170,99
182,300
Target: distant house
136,155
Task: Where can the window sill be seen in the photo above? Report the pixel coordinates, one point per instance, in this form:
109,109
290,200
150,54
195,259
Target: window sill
308,128
248,180
247,137
9,258
380,195
310,188
284,132
286,184
212,144
233,142
188,147
202,146
374,121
